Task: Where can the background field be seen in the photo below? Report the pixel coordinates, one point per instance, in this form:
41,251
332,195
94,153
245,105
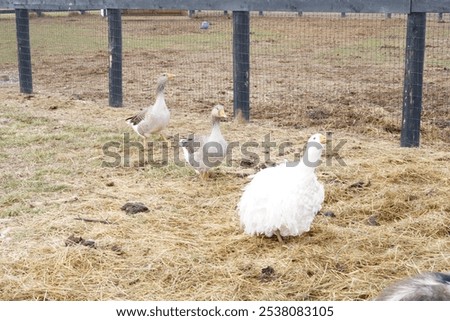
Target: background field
315,73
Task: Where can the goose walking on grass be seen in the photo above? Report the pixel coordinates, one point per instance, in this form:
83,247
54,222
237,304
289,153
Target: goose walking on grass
153,119
283,200
205,152
430,286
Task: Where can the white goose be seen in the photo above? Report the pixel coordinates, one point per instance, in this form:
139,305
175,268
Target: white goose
155,118
205,152
283,200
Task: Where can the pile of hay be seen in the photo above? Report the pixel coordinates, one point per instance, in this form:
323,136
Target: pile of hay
65,237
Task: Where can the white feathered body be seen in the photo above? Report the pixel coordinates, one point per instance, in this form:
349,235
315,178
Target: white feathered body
215,147
155,120
281,198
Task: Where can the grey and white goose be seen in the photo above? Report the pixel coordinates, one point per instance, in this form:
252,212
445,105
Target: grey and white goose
153,119
203,152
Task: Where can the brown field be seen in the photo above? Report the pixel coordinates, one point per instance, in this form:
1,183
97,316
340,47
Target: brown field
316,73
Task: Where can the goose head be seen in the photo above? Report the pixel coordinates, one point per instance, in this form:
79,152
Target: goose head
162,80
218,113
313,151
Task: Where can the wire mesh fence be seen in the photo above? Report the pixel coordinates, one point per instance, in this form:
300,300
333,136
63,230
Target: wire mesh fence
436,102
324,67
309,69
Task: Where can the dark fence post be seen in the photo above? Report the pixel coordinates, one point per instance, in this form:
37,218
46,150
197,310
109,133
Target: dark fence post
115,57
24,51
241,63
413,82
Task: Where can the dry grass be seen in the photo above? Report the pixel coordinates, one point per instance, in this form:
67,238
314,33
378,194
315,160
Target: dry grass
391,204
189,246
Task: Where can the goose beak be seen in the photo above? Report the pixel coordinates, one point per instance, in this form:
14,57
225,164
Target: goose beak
222,114
323,139
170,76
183,142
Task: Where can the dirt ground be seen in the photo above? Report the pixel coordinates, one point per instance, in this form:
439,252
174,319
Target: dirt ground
390,204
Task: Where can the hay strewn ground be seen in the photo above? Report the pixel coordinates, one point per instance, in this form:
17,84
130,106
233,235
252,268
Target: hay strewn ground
391,205
189,246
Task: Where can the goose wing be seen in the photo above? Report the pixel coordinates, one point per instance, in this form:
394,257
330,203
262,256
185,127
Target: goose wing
136,119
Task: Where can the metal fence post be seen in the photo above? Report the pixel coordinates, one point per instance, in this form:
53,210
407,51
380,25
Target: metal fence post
413,82
115,57
241,63
23,50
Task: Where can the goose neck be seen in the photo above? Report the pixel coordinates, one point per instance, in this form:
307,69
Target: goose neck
312,156
160,88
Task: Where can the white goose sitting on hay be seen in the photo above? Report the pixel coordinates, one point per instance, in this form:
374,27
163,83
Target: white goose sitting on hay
424,287
205,152
155,118
283,200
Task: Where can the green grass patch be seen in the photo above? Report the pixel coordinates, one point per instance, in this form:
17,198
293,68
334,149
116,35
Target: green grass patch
55,35
65,39
41,186
9,183
8,48
183,42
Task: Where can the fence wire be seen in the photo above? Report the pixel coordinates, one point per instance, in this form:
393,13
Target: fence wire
309,69
325,70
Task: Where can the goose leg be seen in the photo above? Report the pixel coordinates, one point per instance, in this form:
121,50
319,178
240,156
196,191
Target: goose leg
164,140
163,137
203,175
